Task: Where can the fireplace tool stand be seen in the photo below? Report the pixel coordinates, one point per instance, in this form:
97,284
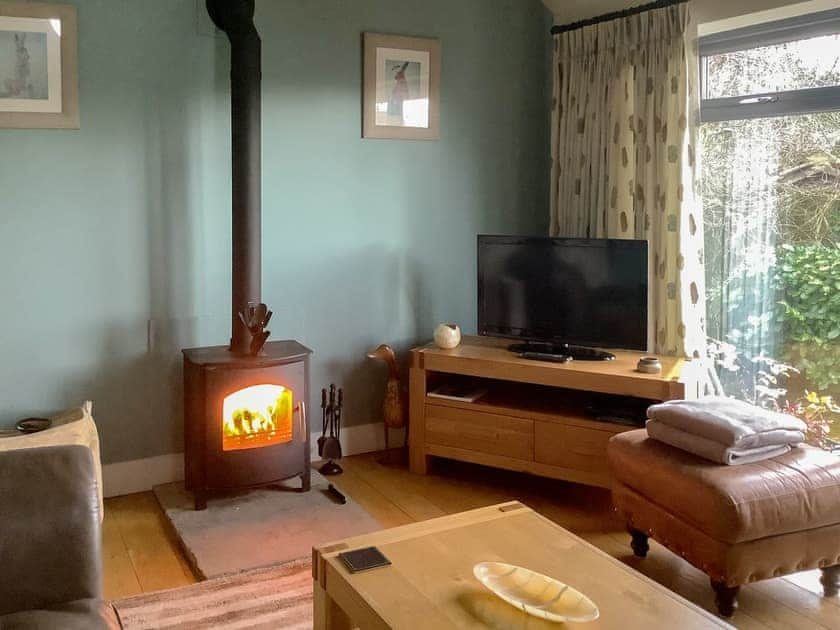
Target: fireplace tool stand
329,446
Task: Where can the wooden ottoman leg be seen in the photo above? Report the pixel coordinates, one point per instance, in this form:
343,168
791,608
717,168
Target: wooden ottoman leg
831,580
639,543
726,598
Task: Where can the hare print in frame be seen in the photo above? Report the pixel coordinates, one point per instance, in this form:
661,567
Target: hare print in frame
38,66
401,91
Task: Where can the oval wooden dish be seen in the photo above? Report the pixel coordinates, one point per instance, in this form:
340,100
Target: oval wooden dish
535,594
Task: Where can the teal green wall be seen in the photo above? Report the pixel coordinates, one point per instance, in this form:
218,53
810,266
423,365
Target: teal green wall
115,239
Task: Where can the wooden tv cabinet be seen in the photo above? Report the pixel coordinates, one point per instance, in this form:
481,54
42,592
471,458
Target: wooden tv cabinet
533,418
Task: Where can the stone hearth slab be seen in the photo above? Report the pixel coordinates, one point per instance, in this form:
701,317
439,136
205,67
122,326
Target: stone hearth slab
259,527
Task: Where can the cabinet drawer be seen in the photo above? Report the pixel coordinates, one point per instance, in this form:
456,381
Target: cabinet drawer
572,447
478,431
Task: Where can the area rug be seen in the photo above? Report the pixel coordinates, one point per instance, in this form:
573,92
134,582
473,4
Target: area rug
260,527
274,597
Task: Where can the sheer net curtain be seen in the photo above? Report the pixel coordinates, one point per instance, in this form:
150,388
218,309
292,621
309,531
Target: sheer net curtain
624,121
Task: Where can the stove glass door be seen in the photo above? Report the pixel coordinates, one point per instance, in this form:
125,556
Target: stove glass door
257,416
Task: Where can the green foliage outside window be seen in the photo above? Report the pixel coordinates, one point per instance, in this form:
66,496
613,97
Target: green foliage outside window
809,277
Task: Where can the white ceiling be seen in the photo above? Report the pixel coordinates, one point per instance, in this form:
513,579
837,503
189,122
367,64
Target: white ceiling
566,11
573,10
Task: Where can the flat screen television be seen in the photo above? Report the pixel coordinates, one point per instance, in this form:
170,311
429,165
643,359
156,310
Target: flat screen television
587,292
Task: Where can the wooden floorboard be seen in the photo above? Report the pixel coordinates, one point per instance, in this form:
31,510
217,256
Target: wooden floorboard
387,512
141,554
148,543
119,577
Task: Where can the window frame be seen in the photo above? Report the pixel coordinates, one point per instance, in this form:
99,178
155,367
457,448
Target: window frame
768,104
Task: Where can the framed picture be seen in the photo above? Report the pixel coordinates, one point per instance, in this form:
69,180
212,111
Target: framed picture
401,97
38,66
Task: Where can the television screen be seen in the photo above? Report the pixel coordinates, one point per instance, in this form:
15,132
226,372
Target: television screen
587,292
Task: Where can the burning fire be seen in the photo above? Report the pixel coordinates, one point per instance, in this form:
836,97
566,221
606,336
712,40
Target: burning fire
260,415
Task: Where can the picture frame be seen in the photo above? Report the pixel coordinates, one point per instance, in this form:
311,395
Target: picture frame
401,87
39,82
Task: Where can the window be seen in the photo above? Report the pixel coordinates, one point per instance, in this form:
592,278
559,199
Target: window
771,191
781,68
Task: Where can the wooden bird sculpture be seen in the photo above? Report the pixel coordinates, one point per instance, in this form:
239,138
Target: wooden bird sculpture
395,403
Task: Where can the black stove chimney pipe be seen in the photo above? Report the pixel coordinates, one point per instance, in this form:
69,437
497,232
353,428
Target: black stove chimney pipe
236,19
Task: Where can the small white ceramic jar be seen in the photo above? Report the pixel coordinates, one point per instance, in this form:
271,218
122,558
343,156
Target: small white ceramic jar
447,336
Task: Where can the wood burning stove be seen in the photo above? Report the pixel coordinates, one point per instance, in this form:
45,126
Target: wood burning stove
245,418
245,404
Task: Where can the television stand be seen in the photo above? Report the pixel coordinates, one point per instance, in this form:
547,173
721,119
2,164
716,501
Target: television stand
578,353
548,419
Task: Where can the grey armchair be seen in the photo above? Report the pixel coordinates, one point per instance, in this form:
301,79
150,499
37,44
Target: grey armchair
50,541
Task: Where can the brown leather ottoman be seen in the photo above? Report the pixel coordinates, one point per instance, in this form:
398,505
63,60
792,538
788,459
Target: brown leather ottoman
738,524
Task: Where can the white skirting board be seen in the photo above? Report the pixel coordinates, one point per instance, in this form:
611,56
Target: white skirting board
140,475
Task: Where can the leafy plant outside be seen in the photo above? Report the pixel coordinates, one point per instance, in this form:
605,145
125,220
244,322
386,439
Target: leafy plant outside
771,384
809,278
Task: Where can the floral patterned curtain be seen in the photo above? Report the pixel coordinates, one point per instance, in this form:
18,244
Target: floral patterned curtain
625,113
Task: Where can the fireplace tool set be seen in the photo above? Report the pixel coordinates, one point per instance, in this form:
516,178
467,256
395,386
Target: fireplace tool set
329,446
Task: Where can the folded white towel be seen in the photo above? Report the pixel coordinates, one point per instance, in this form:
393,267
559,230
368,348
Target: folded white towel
732,423
709,449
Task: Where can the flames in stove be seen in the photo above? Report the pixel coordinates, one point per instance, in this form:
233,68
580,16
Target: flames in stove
257,416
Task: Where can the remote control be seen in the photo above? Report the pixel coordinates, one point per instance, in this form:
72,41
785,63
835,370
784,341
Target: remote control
545,356
578,353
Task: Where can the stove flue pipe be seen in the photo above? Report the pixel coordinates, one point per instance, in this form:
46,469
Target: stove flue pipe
236,19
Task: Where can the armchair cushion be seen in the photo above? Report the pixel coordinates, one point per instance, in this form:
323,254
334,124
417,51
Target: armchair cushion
49,528
83,614
74,426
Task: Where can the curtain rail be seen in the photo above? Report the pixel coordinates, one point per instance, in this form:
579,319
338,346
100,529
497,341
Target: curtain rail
615,15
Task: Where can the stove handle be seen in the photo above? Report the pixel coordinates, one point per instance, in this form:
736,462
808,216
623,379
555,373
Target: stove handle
301,408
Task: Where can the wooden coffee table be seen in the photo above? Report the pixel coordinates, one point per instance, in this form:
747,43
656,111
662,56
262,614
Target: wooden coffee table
430,583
